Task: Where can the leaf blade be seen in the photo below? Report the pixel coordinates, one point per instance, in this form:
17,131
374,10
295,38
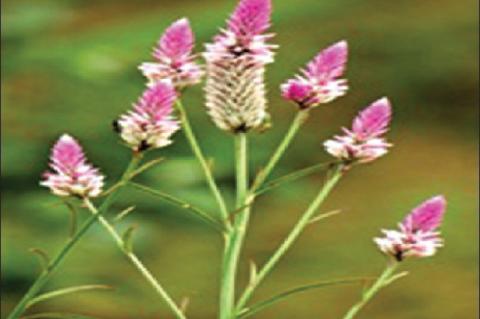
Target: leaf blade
65,291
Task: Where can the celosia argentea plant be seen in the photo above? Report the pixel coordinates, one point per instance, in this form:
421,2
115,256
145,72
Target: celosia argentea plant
235,90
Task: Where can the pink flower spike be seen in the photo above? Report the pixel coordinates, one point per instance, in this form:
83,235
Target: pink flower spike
250,18
427,216
418,235
364,142
150,124
236,59
330,63
374,120
71,174
175,61
322,74
177,42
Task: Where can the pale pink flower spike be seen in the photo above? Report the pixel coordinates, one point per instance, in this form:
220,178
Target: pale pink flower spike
71,174
319,83
364,142
175,61
418,235
235,88
150,124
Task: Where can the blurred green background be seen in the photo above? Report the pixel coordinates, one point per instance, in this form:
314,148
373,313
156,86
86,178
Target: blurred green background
71,66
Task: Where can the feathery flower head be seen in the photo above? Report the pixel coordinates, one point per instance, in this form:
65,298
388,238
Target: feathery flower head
235,88
364,142
319,82
175,61
71,174
150,124
418,235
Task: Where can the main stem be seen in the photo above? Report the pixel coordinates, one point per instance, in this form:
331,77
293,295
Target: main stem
292,236
377,285
297,122
187,128
136,262
235,237
55,263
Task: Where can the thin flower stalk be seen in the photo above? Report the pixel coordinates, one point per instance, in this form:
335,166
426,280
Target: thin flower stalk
383,280
197,151
136,262
302,223
235,237
46,274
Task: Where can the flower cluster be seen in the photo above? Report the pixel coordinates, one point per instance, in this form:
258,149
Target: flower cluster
71,174
319,82
418,235
175,61
364,142
150,124
235,88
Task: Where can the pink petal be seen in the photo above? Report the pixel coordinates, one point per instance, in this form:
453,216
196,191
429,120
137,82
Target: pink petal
67,152
374,120
427,216
330,63
296,90
157,101
251,17
176,42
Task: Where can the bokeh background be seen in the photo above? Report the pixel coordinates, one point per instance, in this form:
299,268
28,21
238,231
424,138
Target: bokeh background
71,66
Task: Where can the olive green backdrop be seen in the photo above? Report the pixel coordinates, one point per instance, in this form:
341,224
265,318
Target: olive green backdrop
71,66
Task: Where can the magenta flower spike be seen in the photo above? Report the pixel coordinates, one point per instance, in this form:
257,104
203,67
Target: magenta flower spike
236,60
150,124
70,173
175,61
364,142
319,82
418,235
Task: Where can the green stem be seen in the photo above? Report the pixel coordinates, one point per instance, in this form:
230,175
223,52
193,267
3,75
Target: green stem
382,281
235,237
53,265
292,236
297,122
135,261
187,128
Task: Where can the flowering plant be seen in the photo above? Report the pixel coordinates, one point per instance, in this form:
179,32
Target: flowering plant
235,92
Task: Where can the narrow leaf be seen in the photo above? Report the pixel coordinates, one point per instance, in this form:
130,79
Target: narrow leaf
43,257
324,215
73,218
294,176
112,188
395,278
57,315
184,304
253,272
65,291
247,312
123,213
128,238
145,167
206,217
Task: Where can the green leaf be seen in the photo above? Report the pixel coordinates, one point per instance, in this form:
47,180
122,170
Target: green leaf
394,278
123,213
145,167
65,291
43,257
57,315
247,312
128,238
73,217
324,215
204,216
294,176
